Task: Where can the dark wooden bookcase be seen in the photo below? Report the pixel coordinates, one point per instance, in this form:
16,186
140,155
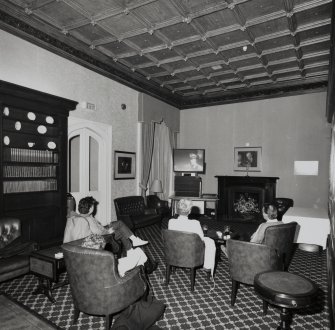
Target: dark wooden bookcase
34,161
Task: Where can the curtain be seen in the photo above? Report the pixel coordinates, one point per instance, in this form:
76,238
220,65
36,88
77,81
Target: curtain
161,167
147,143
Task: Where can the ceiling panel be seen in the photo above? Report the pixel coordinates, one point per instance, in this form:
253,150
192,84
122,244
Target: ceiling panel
186,53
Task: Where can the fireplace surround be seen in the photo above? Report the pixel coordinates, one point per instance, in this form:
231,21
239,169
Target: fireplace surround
243,197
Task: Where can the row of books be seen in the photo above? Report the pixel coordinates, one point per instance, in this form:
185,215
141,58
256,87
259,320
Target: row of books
29,186
29,171
30,155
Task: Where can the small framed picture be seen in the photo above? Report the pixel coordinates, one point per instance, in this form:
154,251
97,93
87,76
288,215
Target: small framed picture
124,165
248,159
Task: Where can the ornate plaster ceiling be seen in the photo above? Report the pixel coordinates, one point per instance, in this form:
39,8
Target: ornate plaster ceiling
188,53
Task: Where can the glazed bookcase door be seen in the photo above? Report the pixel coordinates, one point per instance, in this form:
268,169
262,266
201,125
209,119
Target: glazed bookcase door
33,161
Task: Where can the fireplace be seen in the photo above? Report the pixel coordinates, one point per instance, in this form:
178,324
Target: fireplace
243,197
245,202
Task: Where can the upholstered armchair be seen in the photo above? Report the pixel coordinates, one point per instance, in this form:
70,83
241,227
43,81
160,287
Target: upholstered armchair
282,204
97,288
14,250
248,259
161,206
134,213
182,249
280,238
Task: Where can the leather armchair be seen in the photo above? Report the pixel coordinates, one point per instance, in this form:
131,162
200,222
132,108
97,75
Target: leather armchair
280,238
182,249
248,259
14,251
161,206
96,286
133,212
282,204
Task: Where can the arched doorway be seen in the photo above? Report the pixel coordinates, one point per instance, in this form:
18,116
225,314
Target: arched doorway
90,163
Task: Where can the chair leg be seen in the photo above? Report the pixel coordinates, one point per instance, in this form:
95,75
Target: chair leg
192,274
167,274
285,319
108,321
75,315
234,288
265,307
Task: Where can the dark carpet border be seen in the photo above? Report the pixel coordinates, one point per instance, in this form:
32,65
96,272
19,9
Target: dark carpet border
30,310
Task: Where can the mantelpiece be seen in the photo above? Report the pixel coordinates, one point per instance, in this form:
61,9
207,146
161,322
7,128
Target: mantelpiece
256,188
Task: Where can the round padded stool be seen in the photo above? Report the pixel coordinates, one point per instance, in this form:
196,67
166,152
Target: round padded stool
285,290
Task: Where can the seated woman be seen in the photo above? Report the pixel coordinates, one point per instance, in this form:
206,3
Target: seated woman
182,223
270,215
84,224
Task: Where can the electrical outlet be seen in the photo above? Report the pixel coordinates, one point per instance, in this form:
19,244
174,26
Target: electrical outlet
91,106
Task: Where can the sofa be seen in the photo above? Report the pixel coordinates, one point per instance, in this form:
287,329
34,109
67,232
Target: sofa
14,250
134,213
161,206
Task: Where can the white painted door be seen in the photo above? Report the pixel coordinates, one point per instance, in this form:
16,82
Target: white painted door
90,159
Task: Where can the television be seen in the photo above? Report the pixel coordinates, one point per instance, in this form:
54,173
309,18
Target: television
189,160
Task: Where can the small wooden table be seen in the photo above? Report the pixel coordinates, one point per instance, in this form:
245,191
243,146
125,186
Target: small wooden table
47,267
286,290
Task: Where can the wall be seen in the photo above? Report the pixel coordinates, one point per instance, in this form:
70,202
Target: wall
156,110
287,129
25,64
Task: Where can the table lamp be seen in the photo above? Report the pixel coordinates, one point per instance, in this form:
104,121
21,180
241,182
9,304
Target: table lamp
156,187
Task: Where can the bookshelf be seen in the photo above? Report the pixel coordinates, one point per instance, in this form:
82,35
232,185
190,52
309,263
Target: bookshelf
33,176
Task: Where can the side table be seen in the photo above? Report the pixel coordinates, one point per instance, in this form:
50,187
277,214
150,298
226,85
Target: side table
286,290
47,267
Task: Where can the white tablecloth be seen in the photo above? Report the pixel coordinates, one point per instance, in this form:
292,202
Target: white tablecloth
314,225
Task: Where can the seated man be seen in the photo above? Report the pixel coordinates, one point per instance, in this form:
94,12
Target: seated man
182,223
84,224
270,215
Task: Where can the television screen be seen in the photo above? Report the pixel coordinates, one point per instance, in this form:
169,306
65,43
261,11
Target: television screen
189,160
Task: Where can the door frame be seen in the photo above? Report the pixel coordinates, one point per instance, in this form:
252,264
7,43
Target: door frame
104,134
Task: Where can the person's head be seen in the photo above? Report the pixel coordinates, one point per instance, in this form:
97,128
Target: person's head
193,158
270,212
184,207
249,156
88,205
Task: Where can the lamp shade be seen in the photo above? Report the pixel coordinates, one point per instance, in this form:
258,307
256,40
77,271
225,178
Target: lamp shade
156,186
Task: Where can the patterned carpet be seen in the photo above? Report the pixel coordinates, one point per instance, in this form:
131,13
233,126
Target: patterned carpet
208,307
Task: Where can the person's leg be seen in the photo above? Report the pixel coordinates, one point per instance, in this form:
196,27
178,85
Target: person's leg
123,233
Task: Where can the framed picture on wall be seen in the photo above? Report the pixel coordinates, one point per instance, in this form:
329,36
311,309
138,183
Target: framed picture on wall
248,159
124,165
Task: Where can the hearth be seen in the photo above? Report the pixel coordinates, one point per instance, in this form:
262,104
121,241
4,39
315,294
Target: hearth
245,202
243,197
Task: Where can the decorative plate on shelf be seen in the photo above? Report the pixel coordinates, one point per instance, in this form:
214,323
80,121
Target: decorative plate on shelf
17,125
51,145
41,129
31,116
49,120
6,140
6,111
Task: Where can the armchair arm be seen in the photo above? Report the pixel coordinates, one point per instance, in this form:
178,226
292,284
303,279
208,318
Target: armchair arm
248,259
18,247
126,289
